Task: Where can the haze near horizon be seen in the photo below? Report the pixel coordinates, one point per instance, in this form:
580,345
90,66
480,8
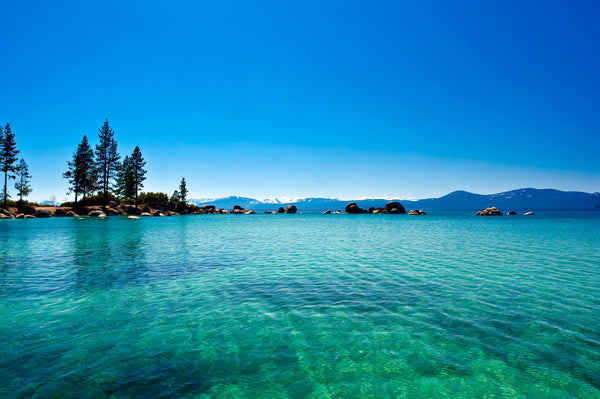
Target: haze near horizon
340,100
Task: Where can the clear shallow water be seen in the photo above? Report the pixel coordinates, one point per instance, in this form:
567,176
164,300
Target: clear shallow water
294,306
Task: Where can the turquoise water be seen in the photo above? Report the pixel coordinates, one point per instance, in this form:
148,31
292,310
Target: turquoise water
295,306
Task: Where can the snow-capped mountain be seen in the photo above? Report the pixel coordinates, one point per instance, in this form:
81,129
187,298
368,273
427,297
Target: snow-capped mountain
525,198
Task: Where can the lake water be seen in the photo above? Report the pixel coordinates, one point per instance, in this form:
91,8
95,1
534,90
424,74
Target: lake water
301,306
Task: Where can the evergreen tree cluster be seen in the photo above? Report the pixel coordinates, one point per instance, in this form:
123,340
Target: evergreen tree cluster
99,170
10,167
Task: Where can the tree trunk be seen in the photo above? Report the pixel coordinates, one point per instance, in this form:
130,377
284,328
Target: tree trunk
136,188
5,193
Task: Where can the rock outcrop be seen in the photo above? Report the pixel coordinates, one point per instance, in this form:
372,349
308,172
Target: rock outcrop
131,210
528,213
97,213
3,216
352,208
6,213
291,209
42,213
417,212
71,214
394,207
59,212
26,209
493,211
237,209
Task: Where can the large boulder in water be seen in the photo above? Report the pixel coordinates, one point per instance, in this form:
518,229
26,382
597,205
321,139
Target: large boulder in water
353,208
97,213
493,211
394,207
291,209
281,210
42,213
238,209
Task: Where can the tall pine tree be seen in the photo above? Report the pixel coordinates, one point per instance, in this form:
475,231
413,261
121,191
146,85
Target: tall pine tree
107,160
82,172
8,157
183,191
23,179
125,185
139,173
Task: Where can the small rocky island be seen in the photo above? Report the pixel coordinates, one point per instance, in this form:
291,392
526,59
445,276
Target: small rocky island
493,211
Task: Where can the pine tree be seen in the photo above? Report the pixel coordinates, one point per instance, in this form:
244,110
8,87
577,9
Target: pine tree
175,197
87,167
182,191
107,160
125,184
8,157
139,173
81,173
23,179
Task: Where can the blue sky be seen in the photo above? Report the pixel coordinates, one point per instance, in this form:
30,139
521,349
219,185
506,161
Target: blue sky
339,99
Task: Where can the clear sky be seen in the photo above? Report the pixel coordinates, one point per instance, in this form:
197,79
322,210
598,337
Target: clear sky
338,99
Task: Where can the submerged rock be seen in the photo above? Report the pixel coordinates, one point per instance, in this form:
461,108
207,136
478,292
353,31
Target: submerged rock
133,217
493,211
28,217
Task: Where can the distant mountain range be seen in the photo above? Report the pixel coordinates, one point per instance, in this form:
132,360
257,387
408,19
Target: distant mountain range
525,198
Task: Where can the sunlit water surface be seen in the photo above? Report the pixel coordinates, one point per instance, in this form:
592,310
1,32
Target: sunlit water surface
295,306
